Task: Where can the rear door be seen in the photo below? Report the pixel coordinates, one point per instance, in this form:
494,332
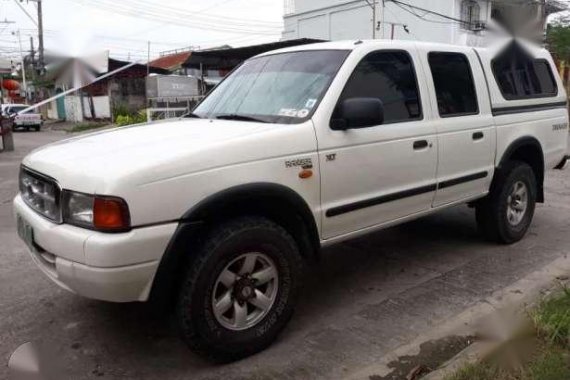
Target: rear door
465,125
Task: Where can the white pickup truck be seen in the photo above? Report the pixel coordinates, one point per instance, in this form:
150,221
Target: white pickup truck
296,150
23,120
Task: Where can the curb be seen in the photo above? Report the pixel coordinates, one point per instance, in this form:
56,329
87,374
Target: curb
512,300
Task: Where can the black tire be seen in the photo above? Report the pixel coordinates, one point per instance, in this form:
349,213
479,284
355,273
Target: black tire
491,212
199,326
37,128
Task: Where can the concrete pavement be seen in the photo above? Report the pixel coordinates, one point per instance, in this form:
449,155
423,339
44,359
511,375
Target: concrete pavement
368,297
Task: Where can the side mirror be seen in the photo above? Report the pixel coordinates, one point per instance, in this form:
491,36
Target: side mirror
356,113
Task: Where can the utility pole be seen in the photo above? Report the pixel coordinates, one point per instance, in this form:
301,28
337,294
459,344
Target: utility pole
383,16
148,61
41,62
372,5
373,19
5,22
40,24
24,83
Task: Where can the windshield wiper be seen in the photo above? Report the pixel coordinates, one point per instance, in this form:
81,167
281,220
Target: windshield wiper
240,118
192,115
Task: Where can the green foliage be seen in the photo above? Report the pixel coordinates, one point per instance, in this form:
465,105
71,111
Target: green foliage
552,319
130,118
558,37
550,349
123,120
551,365
85,127
475,372
120,110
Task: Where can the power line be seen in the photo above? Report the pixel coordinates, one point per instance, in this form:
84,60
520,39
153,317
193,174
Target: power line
180,19
26,12
428,11
200,14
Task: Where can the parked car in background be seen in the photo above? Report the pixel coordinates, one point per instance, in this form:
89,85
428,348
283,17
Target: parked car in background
27,120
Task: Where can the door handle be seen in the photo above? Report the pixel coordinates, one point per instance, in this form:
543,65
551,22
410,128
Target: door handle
478,136
421,144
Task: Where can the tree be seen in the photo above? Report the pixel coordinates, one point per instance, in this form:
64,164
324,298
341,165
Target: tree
558,38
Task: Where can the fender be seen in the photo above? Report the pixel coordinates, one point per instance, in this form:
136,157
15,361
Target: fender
275,201
537,163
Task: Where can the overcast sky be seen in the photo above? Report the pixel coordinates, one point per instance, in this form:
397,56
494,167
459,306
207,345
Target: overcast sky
78,27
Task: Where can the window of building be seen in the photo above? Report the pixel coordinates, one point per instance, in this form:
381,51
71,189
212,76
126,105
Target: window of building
520,76
470,15
390,77
454,85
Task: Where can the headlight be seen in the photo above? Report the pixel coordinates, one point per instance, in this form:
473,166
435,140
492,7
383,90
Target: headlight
101,213
41,193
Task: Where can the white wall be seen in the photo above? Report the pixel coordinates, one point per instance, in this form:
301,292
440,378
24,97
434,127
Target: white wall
102,107
73,109
51,110
342,19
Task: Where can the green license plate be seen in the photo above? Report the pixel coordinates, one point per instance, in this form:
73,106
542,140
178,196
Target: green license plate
26,232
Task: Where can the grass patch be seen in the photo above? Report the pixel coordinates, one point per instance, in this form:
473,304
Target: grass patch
85,127
552,319
548,362
542,354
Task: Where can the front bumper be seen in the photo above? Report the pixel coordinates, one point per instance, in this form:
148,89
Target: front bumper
108,267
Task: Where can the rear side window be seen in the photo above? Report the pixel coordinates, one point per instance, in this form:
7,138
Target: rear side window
454,86
521,76
389,76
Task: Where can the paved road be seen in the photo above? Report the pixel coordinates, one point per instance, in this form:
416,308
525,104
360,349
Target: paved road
368,297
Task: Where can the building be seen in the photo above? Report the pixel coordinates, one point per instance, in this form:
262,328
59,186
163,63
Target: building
123,92
463,22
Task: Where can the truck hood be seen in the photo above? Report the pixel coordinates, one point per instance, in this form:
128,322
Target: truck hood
148,153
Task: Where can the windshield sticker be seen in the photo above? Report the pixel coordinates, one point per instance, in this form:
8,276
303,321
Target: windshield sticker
289,112
311,103
303,114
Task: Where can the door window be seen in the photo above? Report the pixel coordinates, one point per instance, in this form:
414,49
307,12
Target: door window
389,76
454,86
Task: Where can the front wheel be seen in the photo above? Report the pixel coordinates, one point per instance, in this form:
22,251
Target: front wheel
506,214
240,290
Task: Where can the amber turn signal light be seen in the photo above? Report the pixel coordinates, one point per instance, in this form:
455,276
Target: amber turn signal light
110,214
306,174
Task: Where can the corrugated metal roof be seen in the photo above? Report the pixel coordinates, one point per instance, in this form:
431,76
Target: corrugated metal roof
227,59
171,62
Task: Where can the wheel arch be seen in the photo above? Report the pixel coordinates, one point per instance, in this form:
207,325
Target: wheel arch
279,203
529,150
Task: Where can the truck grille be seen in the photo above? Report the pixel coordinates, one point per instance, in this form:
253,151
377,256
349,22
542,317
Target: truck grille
41,193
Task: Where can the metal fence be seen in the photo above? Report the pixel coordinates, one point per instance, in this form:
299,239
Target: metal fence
170,108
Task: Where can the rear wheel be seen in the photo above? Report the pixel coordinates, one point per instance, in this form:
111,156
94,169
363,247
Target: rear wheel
506,214
37,128
240,290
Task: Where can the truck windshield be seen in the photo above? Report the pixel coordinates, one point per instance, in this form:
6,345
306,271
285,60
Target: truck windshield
282,88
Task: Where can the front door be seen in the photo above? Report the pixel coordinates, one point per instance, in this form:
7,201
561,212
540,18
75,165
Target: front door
380,174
